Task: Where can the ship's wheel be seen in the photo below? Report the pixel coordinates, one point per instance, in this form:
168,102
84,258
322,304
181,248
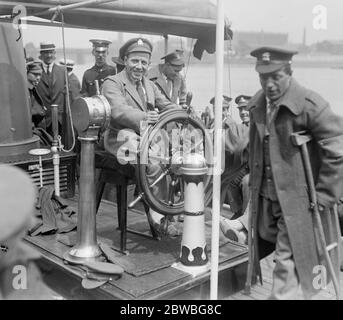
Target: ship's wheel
162,147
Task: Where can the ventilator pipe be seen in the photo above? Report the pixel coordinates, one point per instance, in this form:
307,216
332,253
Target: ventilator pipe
97,88
55,148
193,256
86,247
16,137
89,114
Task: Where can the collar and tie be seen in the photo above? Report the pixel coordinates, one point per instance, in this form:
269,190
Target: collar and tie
170,87
271,110
141,92
48,71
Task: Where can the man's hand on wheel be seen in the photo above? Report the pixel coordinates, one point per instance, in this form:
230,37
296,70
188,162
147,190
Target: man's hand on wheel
152,117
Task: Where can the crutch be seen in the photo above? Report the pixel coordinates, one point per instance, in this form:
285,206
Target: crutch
301,139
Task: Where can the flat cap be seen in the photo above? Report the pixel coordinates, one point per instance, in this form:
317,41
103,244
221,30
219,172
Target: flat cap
69,63
100,43
242,100
47,46
270,59
135,45
17,198
34,66
175,58
226,101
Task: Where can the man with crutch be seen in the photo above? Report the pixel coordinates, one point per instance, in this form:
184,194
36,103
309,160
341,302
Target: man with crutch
282,218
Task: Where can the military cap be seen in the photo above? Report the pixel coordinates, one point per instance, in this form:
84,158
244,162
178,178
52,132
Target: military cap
175,58
135,45
242,100
34,66
17,198
271,59
69,63
101,44
47,46
226,101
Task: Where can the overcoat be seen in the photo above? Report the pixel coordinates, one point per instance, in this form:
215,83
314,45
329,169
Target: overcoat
179,91
300,109
52,91
128,111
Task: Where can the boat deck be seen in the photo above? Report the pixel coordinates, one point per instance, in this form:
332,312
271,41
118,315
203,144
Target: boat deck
262,292
148,266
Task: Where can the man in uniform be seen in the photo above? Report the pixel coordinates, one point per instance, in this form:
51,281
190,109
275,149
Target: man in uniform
74,82
51,89
280,207
134,100
99,71
168,78
236,175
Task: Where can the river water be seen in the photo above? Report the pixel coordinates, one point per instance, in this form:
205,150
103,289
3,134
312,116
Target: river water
243,79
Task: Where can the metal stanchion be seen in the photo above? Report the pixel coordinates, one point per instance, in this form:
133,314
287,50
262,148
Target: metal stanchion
55,148
40,153
193,256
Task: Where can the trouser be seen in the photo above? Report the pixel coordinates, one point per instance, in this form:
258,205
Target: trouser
104,159
238,191
272,228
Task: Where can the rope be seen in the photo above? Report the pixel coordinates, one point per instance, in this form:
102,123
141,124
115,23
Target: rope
189,58
228,47
67,86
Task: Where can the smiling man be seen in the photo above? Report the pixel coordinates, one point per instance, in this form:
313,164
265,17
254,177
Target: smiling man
280,206
135,101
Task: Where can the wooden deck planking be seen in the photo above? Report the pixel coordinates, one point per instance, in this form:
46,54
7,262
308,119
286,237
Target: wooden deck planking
159,284
262,292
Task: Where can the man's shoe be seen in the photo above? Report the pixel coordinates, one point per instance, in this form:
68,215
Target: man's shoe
232,233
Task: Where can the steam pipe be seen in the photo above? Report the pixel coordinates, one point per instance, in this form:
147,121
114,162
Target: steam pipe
54,148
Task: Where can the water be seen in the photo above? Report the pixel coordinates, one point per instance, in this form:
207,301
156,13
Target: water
243,79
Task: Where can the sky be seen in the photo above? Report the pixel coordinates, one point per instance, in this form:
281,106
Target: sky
321,18
289,16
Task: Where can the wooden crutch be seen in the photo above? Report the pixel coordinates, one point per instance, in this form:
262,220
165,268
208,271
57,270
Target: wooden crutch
301,139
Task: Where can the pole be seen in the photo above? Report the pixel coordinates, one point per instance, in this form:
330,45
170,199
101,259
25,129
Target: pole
165,44
217,150
54,148
40,171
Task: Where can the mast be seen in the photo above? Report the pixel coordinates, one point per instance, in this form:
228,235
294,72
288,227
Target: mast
217,149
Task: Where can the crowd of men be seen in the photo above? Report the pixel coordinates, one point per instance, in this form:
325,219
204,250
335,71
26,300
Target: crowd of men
264,175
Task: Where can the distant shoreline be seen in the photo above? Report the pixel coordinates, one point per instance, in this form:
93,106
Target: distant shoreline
325,62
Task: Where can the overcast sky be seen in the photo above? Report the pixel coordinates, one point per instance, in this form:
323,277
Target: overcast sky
288,16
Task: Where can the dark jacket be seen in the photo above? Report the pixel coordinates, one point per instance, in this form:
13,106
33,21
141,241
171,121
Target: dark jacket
95,73
52,91
300,109
38,110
